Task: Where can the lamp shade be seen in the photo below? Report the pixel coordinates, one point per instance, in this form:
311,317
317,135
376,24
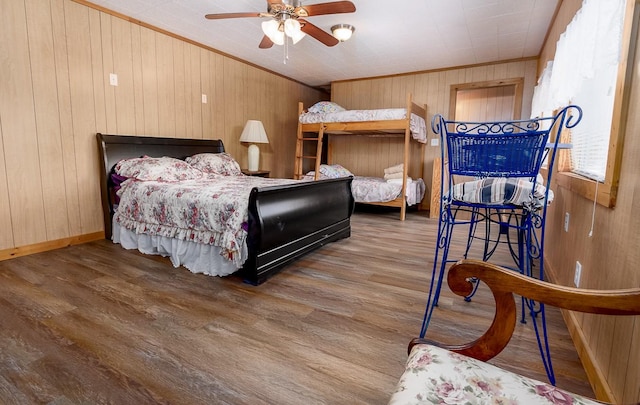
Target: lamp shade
254,132
291,27
293,30
271,29
297,36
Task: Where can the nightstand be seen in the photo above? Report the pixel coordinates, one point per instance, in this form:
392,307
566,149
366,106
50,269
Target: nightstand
257,173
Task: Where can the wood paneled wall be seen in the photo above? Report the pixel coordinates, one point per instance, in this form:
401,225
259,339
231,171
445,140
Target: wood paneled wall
369,156
55,95
610,258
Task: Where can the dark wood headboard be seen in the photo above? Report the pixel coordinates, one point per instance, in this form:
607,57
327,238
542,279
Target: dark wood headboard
116,147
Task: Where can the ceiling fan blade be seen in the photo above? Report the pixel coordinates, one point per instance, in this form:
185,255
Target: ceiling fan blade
317,33
336,7
231,15
266,43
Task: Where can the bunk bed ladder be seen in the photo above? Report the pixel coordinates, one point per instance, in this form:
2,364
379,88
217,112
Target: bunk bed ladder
300,150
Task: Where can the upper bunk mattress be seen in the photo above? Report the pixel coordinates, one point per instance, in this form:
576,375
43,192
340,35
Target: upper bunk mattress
418,125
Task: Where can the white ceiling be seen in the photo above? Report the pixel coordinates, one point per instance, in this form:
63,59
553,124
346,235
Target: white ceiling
391,36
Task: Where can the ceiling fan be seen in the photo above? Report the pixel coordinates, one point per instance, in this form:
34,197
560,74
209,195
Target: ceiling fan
285,20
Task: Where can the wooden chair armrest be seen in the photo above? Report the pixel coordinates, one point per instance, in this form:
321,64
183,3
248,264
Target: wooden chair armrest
504,283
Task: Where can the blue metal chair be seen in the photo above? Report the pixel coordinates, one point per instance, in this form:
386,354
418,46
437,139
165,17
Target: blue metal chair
491,178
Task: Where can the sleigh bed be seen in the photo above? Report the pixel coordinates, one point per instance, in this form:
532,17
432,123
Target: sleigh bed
282,222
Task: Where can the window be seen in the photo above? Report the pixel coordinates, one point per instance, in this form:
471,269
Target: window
590,69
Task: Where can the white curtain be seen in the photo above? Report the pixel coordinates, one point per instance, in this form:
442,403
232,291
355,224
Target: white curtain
584,72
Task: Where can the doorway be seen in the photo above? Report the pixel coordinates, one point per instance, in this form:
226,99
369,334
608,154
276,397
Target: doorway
499,100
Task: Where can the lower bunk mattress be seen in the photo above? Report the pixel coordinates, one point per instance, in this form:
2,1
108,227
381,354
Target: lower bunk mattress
377,189
373,189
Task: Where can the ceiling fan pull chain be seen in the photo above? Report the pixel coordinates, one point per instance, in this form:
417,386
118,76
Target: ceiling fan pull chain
286,50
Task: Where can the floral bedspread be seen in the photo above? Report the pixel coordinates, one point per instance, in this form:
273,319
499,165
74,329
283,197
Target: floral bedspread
212,211
417,124
437,376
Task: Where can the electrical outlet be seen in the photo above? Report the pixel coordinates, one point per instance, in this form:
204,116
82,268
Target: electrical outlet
113,79
566,222
435,142
578,274
204,99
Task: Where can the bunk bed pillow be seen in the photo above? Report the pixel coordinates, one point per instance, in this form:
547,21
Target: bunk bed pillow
334,171
156,169
221,164
325,107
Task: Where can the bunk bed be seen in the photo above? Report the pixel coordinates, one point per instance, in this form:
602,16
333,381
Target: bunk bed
330,119
285,219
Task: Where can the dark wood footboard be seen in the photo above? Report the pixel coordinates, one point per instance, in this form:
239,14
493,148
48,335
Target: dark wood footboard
285,222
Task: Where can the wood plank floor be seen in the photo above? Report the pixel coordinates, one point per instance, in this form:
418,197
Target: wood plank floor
95,323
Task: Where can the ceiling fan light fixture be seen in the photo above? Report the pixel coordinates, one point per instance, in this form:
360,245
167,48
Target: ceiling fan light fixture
287,19
278,38
291,27
297,36
342,32
271,29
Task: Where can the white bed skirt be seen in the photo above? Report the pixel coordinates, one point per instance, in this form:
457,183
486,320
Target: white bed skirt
196,257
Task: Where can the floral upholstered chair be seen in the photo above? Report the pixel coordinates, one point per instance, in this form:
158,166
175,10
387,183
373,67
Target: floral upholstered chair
441,374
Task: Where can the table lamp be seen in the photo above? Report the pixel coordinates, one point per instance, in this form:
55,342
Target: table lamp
253,133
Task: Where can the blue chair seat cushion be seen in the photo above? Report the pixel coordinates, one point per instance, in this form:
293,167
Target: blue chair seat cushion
501,191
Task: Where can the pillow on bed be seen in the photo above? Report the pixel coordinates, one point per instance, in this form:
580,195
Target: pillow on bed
325,107
215,163
334,171
157,169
